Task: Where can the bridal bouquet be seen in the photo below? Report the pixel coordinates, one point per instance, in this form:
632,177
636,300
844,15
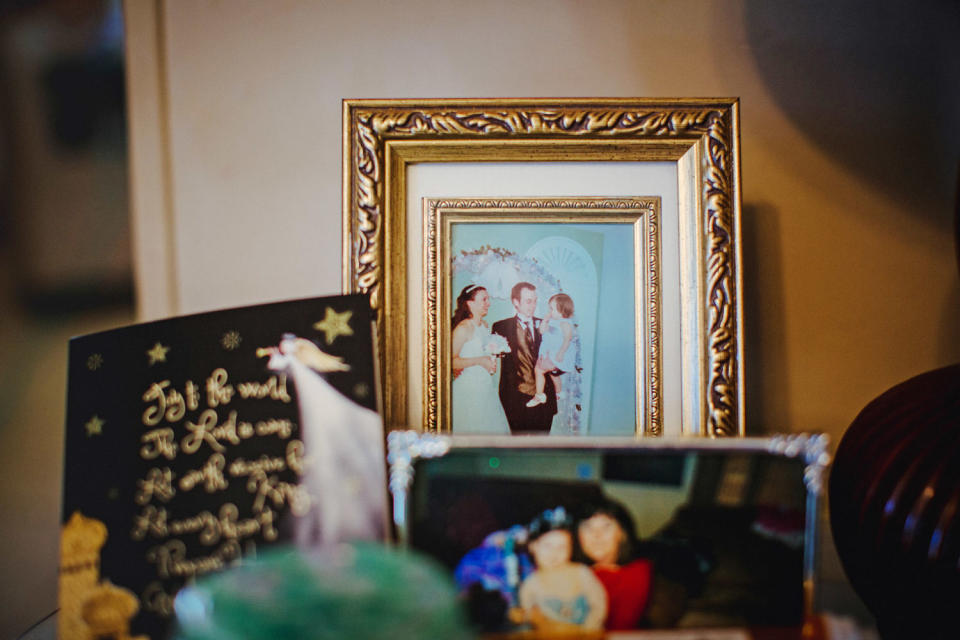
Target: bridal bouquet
497,346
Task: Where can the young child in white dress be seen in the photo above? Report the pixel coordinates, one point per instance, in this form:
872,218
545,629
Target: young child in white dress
560,595
555,357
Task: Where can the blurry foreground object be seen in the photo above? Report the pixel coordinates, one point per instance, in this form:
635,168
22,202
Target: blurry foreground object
346,591
895,506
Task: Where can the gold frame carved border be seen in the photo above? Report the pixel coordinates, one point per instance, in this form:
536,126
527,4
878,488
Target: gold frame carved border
701,135
641,213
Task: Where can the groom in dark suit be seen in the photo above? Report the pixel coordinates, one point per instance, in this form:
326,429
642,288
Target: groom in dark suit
517,381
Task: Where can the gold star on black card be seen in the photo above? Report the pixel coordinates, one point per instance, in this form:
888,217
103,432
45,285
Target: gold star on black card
157,354
94,426
335,325
95,361
231,340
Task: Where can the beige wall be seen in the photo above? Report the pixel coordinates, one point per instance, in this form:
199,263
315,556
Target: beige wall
849,154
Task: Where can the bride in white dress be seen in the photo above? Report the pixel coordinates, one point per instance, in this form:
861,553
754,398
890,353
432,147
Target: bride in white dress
476,405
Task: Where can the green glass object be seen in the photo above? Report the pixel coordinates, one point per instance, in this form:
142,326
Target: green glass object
346,591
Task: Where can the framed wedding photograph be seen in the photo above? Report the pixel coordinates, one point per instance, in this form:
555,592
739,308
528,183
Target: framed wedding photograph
685,378
544,536
589,267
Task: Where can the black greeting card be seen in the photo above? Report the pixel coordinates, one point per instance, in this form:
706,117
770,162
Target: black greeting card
195,441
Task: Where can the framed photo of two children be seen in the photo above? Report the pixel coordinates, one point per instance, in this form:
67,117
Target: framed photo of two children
565,267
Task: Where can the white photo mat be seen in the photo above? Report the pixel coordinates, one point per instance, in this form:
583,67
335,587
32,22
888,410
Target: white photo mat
553,179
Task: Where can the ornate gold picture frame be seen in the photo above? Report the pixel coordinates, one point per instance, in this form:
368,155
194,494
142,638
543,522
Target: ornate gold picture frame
686,151
597,259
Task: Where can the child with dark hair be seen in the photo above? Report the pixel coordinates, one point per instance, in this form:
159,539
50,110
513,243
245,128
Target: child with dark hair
560,595
556,356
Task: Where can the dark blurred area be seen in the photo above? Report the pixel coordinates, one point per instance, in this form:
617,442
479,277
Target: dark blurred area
64,226
65,260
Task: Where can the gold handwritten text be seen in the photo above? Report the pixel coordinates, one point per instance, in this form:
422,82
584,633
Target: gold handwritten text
234,528
275,388
218,391
171,559
206,430
295,456
204,524
263,464
158,442
156,600
209,528
171,405
281,427
157,484
152,521
211,475
269,488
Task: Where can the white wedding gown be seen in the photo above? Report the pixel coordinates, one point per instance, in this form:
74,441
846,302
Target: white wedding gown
476,404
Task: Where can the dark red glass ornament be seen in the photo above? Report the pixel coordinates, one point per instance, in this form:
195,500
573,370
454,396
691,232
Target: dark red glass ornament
895,506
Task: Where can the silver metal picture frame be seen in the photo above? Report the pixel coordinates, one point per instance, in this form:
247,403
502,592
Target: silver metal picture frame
715,533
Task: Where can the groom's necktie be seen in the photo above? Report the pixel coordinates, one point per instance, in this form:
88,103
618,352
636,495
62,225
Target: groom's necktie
526,359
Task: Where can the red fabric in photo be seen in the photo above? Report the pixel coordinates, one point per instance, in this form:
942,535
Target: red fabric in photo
628,591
